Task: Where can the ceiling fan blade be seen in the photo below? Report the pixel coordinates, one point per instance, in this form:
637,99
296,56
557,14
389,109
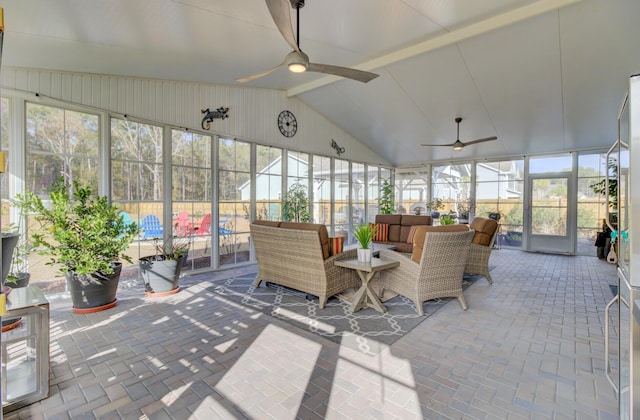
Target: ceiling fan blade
354,74
447,145
481,140
259,75
279,10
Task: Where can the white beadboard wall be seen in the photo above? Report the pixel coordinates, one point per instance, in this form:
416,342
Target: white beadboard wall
252,112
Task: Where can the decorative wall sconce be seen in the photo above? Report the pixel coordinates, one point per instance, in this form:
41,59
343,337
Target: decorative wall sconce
211,115
339,150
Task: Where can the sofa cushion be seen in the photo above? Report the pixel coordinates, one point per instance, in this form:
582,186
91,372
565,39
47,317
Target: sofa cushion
382,232
389,219
394,233
485,228
421,232
410,220
321,229
272,223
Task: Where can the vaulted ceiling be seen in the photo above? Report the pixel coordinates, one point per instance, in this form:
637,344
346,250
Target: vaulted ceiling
543,76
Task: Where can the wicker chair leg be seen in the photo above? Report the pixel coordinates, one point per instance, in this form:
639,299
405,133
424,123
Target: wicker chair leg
463,303
488,277
323,301
419,308
258,281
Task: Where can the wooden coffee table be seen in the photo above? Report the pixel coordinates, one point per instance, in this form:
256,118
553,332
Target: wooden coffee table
366,297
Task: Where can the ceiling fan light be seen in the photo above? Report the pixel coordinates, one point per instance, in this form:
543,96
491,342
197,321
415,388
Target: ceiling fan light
297,68
458,147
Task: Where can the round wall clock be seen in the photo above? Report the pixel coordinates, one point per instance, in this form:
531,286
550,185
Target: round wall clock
287,124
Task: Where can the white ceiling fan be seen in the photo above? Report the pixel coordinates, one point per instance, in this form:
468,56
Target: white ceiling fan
458,145
297,61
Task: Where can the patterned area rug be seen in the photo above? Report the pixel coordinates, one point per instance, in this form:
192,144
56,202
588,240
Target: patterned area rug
367,330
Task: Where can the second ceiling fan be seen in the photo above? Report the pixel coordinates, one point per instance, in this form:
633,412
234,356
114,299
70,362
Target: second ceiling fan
458,145
297,61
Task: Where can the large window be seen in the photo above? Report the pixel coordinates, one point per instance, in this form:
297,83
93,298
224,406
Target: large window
413,190
358,191
452,184
268,184
234,188
136,181
191,195
341,211
592,206
60,142
499,189
322,190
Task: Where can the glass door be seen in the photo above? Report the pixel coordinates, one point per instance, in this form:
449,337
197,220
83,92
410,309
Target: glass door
549,228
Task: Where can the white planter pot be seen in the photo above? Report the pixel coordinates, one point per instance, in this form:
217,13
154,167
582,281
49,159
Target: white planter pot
364,255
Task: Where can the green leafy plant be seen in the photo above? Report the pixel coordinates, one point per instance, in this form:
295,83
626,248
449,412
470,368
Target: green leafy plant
171,248
81,232
386,198
447,219
364,234
435,204
295,206
600,187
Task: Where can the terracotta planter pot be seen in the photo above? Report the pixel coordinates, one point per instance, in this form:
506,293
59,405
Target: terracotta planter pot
159,274
93,292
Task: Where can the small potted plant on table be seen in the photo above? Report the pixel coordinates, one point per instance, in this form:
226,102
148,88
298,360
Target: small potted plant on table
364,234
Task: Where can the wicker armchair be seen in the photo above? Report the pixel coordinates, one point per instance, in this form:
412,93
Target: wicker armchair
295,258
439,273
486,233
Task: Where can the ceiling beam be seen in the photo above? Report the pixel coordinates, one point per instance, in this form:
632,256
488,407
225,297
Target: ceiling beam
457,35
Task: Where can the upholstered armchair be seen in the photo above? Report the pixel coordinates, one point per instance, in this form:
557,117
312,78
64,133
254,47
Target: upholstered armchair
438,273
486,231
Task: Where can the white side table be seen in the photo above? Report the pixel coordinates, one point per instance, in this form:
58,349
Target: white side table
25,348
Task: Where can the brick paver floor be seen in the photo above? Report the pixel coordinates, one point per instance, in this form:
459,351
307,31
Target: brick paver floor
530,346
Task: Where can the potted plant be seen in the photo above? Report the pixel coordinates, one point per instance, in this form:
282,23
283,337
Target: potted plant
86,237
447,219
364,235
295,206
161,272
18,275
435,205
463,213
386,198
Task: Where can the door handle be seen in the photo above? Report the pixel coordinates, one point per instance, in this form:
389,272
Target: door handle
607,366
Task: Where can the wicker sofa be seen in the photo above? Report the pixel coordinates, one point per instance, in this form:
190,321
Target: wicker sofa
398,229
297,255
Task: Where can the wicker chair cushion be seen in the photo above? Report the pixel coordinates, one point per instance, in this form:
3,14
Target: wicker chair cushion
485,228
321,229
412,233
421,232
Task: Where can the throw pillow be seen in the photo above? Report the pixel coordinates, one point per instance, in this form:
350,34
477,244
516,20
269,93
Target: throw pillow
382,232
336,245
412,233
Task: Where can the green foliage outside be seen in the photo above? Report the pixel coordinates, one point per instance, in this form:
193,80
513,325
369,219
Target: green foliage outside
295,206
81,232
387,204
